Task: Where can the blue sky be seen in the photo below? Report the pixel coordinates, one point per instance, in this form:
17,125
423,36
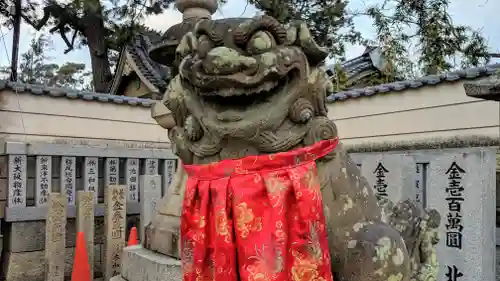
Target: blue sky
479,14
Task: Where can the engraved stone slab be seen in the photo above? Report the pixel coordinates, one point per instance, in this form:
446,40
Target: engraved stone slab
114,226
55,238
420,170
150,186
151,166
461,186
68,178
140,264
85,222
29,266
391,176
17,181
169,169
111,171
43,182
172,202
29,236
132,179
91,176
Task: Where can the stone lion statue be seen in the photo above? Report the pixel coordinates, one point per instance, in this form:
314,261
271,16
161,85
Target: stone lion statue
254,86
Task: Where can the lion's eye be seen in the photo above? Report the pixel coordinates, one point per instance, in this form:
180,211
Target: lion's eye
261,41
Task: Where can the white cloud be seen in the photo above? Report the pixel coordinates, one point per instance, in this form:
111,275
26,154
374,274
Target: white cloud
163,21
171,17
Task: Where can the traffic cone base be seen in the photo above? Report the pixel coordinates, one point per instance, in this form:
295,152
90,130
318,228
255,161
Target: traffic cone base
132,239
81,267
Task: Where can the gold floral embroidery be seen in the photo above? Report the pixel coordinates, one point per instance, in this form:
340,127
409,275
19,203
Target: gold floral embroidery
197,233
238,169
280,236
256,178
207,275
260,268
313,245
311,183
274,185
279,263
187,257
221,224
311,180
200,221
199,276
280,233
246,221
198,236
305,270
257,274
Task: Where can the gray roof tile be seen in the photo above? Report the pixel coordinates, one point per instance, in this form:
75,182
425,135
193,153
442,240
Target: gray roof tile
42,90
155,73
399,86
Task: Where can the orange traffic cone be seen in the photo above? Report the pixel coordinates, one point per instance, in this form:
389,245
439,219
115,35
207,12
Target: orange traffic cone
132,239
81,267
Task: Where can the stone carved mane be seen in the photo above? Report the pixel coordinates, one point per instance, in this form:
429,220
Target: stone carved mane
254,86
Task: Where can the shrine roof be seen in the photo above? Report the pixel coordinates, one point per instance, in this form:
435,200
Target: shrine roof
136,53
400,86
156,73
41,90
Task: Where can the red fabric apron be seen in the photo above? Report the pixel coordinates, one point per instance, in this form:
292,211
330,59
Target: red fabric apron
259,218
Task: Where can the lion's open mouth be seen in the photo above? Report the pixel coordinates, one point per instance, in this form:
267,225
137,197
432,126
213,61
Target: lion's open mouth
241,98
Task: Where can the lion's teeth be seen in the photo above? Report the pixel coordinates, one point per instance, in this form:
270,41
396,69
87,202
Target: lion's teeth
227,92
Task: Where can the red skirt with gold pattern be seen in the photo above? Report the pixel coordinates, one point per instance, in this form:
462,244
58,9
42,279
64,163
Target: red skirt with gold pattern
259,218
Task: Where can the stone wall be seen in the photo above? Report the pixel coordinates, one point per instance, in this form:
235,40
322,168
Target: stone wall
24,224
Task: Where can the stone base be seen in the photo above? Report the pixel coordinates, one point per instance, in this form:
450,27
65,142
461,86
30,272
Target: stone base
162,235
140,264
31,265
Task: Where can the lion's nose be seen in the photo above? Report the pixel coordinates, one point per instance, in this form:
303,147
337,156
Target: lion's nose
223,61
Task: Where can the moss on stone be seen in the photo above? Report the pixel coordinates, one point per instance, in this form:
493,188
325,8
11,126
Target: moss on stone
437,143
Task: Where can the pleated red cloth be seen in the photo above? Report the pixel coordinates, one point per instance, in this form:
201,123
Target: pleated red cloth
259,218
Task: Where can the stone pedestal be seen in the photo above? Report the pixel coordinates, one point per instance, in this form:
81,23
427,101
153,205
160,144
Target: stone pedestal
140,264
163,233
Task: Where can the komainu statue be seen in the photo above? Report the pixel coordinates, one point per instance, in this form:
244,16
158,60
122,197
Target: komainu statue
249,98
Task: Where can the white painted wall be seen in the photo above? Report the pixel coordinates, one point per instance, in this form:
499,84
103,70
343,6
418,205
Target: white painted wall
27,117
440,111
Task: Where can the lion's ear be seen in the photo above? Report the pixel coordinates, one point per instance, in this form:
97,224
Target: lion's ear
298,34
